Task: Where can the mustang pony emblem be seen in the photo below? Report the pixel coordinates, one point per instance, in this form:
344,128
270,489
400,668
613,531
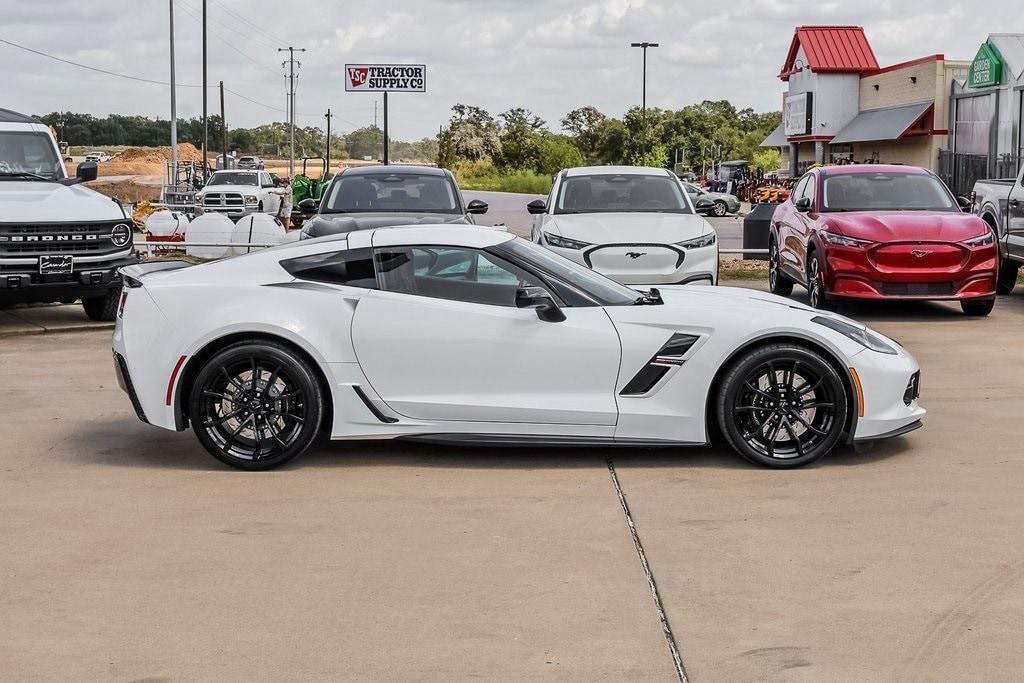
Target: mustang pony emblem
635,254
919,253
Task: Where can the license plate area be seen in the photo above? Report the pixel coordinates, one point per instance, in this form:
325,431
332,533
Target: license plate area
56,265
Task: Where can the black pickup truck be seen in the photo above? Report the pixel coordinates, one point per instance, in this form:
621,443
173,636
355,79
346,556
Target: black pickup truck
1000,202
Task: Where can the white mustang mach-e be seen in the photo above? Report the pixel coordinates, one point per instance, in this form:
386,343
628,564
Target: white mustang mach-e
470,335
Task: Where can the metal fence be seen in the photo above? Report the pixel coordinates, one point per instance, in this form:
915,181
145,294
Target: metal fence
960,171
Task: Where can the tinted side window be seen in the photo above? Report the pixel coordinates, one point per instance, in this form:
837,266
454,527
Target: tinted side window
810,187
454,273
798,192
352,267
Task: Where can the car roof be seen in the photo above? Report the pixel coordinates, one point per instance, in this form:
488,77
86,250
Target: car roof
379,169
873,168
8,116
237,170
614,170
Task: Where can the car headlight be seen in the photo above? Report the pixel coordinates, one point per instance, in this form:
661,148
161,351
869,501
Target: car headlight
842,240
867,338
698,242
251,199
121,235
981,240
564,242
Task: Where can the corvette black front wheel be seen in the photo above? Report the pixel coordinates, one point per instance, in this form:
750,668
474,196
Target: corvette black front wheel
256,406
782,406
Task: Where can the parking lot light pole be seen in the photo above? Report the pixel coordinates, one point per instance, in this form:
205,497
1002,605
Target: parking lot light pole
643,101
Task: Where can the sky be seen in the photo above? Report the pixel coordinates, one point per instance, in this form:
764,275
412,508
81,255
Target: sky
549,56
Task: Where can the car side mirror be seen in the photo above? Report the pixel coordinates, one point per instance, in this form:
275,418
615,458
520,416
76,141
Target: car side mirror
966,203
476,206
539,300
537,206
87,170
803,204
309,206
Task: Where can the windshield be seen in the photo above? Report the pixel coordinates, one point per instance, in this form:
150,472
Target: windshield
230,178
623,192
886,192
391,193
28,153
605,291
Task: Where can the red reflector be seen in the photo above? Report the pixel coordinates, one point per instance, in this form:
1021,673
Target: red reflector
174,376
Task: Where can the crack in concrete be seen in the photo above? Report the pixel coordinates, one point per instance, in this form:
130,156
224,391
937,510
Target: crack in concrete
666,628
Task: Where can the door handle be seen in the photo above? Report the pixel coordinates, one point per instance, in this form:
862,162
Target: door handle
1014,203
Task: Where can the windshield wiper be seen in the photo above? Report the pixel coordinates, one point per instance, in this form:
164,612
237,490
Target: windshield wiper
26,174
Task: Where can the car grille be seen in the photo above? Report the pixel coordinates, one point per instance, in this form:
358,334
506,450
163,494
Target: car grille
38,239
913,388
917,288
216,200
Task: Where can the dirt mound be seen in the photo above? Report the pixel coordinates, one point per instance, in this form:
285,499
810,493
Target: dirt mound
159,155
127,191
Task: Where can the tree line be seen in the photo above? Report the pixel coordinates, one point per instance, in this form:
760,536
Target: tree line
693,137
269,139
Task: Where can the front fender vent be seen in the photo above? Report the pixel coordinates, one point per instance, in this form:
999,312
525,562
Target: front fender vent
668,356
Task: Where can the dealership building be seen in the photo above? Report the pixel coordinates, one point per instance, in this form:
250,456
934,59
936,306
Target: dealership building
841,105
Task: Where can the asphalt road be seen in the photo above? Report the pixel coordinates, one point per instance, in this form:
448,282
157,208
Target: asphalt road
510,209
127,553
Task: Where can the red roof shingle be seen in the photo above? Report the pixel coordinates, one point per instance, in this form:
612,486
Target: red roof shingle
834,49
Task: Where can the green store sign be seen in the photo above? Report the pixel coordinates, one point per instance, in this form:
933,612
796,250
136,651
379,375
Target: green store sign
986,69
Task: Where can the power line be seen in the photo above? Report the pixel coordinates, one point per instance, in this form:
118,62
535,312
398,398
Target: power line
275,41
222,39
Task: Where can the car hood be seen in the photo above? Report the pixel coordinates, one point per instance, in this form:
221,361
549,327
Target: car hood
910,226
619,228
333,224
44,202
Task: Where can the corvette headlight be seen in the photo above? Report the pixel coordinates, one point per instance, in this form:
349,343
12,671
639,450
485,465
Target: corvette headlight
698,242
981,240
862,335
564,242
842,240
251,199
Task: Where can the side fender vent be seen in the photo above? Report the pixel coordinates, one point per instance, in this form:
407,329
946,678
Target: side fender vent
668,356
387,419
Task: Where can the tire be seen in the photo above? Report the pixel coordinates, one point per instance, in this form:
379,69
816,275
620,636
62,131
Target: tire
1007,279
977,308
102,308
782,406
777,282
816,292
226,405
719,209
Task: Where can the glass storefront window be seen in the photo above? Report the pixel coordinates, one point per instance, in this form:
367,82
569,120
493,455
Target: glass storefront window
972,124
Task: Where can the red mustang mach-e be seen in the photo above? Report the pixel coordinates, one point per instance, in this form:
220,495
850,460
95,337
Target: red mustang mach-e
881,232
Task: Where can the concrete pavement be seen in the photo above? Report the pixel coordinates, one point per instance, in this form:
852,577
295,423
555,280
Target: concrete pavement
129,553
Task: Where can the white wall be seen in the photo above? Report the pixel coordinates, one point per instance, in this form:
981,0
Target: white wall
836,96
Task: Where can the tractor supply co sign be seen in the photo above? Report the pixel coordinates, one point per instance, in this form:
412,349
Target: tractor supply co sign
385,78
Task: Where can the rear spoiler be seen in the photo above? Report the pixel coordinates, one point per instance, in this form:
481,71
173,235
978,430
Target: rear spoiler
133,275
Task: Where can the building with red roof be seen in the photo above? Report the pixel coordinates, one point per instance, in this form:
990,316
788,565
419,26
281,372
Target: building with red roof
840,105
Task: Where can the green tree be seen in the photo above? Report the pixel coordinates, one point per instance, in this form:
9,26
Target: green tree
585,124
555,152
767,160
519,140
471,134
365,142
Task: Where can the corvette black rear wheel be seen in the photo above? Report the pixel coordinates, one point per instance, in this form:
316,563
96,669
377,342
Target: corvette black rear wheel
255,405
782,406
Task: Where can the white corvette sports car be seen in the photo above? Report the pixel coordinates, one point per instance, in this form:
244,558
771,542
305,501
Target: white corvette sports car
464,334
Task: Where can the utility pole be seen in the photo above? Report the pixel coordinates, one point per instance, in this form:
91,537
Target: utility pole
328,117
206,125
173,179
291,104
223,128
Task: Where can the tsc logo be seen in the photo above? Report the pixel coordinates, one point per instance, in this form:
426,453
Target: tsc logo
357,75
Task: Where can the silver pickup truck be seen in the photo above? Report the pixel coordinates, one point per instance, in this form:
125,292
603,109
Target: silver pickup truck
1000,202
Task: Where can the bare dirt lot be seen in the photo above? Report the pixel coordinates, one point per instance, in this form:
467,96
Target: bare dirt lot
126,552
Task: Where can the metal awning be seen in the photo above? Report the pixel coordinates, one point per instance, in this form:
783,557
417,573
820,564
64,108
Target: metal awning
777,138
889,123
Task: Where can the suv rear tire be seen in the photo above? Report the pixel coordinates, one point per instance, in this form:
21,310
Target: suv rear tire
102,308
1007,276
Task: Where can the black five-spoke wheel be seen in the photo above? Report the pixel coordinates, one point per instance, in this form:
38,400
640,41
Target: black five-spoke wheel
782,405
255,405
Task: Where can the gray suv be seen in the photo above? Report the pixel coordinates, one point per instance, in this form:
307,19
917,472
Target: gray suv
251,162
